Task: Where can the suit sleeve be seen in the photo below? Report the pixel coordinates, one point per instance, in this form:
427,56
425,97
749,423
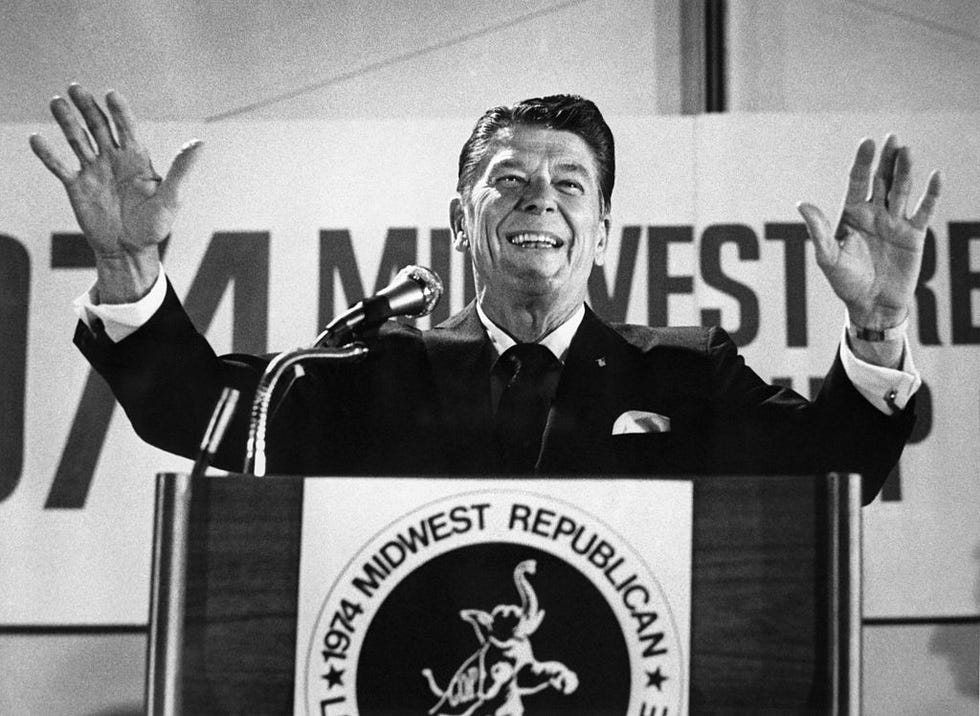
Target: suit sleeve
167,378
367,418
768,428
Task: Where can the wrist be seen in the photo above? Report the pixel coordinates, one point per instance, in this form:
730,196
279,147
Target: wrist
126,277
873,319
883,345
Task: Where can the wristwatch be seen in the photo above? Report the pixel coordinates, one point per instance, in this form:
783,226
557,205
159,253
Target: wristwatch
877,335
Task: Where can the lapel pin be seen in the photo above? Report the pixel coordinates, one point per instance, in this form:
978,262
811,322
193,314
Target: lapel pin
601,362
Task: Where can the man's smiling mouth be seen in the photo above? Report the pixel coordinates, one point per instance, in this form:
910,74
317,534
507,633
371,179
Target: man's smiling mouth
535,240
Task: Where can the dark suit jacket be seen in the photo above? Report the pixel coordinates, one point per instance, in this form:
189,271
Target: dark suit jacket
420,404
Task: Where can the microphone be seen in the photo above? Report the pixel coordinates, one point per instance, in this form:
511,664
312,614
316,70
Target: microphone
414,292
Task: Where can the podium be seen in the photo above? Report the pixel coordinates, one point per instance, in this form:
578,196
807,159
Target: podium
775,602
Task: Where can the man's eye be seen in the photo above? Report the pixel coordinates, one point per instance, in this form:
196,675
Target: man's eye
509,179
570,185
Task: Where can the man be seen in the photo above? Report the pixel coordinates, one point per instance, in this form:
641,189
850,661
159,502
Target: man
533,210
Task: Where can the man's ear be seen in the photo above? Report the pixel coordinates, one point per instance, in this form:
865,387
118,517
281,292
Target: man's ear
600,247
457,223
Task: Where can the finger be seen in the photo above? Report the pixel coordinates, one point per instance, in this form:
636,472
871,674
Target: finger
902,183
47,156
76,136
95,118
183,163
857,187
122,117
886,169
927,204
818,227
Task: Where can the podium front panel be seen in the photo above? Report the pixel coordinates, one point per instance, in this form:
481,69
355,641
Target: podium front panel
770,595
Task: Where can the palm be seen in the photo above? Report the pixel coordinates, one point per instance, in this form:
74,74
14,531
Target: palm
878,258
872,260
117,205
122,205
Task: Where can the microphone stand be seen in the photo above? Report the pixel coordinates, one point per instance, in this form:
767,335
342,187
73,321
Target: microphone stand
215,432
255,460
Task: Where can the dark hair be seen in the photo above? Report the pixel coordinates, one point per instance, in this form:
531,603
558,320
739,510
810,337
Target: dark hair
565,112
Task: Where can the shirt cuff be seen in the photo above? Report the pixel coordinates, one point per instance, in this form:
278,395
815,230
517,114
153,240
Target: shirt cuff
888,389
120,319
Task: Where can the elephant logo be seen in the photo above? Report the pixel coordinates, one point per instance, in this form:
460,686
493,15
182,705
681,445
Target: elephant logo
494,680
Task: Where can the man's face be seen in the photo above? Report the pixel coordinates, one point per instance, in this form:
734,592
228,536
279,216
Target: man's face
533,221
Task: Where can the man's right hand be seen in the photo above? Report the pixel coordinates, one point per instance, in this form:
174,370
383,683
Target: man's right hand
124,208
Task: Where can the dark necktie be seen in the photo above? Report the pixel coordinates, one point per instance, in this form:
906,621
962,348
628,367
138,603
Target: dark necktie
524,403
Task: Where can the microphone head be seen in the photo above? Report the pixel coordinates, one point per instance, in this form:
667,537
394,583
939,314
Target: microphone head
414,292
429,283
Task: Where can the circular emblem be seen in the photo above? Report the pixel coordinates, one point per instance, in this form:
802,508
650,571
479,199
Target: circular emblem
495,602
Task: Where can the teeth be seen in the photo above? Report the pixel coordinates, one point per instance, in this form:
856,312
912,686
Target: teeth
532,240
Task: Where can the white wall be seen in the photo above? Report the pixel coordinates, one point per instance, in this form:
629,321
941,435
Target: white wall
188,60
72,674
854,56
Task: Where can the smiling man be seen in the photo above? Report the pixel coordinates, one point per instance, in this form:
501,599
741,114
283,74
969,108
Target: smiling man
526,379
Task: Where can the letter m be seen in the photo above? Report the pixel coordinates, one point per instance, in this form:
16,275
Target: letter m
337,259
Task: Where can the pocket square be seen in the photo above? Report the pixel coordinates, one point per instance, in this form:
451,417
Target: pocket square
640,421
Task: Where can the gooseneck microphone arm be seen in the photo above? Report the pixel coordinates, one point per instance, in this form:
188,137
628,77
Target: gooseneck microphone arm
414,292
255,448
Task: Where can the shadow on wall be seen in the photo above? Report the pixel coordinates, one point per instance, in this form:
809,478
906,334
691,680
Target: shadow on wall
959,644
126,710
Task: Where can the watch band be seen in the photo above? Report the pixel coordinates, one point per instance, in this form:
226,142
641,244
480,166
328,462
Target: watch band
877,335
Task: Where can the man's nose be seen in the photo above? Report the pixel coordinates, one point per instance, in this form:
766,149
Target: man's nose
539,196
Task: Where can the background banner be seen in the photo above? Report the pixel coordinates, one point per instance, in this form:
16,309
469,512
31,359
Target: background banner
284,224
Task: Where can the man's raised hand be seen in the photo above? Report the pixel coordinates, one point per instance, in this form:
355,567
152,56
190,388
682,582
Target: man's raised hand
872,260
124,208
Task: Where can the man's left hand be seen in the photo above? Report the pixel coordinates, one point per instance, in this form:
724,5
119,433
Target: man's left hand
872,260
